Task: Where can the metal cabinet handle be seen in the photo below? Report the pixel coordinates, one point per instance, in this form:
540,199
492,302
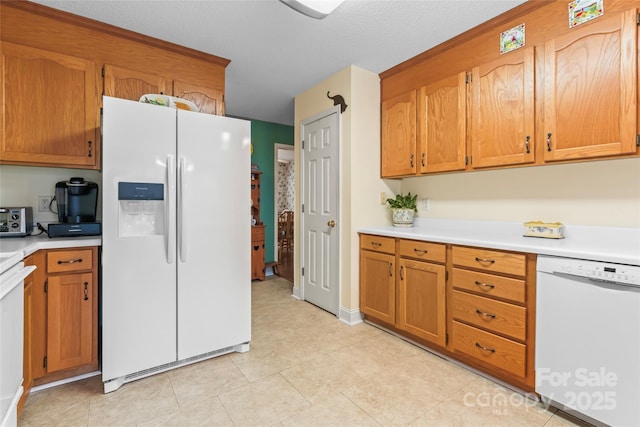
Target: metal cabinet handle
526,144
411,159
401,271
376,244
549,141
485,285
485,314
420,251
390,269
89,143
422,158
86,291
487,260
480,346
71,261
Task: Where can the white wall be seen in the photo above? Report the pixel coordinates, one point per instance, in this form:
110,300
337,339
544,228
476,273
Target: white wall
599,193
360,183
21,186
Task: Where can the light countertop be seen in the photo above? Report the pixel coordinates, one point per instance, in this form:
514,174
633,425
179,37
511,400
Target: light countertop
14,249
610,244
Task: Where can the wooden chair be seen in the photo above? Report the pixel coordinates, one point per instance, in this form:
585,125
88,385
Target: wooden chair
285,230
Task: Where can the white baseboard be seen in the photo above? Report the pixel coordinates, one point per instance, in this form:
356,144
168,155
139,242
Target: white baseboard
296,292
350,317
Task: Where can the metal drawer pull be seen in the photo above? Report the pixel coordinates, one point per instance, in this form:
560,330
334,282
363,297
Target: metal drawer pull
420,251
485,314
485,285
490,261
71,261
480,346
376,244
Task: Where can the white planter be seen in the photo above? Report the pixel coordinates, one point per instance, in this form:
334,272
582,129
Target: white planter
402,217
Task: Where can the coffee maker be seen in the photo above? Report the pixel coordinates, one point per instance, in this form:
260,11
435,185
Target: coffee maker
77,201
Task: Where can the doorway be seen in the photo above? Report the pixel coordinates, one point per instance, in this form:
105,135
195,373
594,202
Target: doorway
284,202
320,211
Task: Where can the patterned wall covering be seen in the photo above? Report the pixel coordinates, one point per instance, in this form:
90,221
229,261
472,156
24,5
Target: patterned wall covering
285,186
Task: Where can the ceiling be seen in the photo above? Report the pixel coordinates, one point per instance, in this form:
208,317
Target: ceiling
277,53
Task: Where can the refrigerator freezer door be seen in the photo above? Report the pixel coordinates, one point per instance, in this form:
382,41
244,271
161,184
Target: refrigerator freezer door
139,269
214,260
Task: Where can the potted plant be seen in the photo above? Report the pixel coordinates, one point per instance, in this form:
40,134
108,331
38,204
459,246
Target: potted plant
403,208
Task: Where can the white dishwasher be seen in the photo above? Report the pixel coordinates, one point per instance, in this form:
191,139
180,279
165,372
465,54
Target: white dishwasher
588,339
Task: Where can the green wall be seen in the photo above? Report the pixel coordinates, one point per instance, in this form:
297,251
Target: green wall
263,137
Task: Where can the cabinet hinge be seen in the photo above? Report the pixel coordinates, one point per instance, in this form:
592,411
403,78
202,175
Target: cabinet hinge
467,160
303,144
446,275
44,362
638,19
467,78
302,208
638,140
302,271
446,339
46,286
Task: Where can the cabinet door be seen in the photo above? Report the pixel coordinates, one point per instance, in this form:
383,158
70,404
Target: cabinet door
377,286
442,125
502,110
208,100
591,90
39,313
421,300
50,108
129,84
70,321
398,146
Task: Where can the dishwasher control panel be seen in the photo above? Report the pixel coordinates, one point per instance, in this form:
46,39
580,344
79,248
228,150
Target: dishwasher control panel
604,271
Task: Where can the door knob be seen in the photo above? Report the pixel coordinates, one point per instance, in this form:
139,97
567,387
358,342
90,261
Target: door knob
331,223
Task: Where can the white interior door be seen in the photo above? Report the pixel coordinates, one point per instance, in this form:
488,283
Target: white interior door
320,227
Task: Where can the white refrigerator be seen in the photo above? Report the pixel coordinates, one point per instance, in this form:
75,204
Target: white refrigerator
176,224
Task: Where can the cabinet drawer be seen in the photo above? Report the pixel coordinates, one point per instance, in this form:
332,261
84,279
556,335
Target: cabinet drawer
257,233
489,348
484,259
490,285
497,316
74,260
378,243
422,250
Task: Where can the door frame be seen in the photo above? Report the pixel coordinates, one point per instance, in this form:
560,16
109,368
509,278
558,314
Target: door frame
277,146
335,111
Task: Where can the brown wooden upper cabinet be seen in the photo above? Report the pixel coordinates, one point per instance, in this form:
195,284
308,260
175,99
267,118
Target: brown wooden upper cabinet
568,96
123,83
591,89
442,109
399,135
50,108
502,110
208,100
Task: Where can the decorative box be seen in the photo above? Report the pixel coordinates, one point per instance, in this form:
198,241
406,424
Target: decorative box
549,230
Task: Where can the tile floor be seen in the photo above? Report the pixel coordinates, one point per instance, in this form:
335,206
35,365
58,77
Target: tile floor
305,368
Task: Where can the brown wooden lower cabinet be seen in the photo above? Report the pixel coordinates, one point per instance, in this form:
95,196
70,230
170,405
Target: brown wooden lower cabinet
64,320
257,252
475,305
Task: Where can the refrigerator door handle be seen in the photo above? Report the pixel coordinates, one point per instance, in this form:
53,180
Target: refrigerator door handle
182,220
170,246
